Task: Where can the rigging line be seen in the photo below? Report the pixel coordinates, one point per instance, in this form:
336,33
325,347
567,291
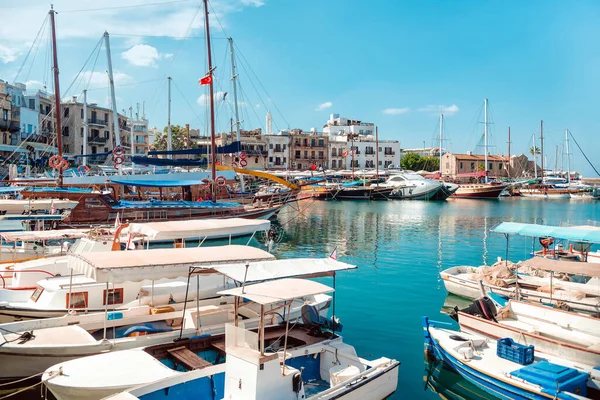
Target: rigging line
187,102
168,36
37,48
35,40
580,149
79,73
125,84
187,31
99,45
259,121
126,6
260,83
257,92
157,95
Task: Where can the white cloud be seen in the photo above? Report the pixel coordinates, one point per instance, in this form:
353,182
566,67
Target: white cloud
257,106
32,85
324,106
8,54
100,79
203,99
396,111
446,110
253,3
143,55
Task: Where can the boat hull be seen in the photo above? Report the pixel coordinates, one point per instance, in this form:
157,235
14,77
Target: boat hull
479,191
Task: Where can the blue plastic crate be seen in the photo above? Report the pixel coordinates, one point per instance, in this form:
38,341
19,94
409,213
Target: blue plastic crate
515,352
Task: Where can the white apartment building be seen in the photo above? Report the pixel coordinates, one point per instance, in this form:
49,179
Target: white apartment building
336,147
336,126
365,148
278,150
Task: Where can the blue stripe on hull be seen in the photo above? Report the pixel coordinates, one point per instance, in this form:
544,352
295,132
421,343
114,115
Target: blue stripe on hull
489,384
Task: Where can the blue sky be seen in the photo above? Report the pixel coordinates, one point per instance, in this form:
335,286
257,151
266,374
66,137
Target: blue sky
394,63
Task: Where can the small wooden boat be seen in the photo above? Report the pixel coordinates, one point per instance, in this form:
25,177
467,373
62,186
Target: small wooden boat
505,369
479,191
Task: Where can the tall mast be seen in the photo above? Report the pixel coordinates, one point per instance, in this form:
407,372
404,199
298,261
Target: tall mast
111,83
213,154
441,140
85,126
234,76
485,137
377,153
542,147
508,165
131,139
568,156
169,137
534,155
57,110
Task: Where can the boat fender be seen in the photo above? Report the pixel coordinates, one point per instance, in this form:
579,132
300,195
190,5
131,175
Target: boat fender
297,382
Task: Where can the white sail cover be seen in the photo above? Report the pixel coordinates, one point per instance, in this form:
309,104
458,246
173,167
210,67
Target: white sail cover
154,264
200,228
277,269
277,291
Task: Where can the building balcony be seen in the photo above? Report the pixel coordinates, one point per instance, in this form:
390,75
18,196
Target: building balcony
97,139
370,152
36,137
389,153
98,122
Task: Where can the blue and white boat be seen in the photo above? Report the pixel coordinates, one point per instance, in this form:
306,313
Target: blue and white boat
505,369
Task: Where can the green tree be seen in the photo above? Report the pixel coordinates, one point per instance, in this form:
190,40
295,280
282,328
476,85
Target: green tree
481,167
534,150
411,161
430,163
179,139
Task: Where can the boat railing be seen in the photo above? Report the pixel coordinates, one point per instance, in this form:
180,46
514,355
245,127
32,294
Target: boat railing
21,271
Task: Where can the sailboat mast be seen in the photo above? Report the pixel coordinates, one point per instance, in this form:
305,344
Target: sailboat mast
568,156
508,164
377,154
213,154
85,127
234,76
169,136
441,140
111,83
534,155
542,147
57,110
485,137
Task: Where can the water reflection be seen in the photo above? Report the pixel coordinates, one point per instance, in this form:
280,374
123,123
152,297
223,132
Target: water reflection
441,379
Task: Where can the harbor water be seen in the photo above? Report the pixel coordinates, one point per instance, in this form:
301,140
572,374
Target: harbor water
400,247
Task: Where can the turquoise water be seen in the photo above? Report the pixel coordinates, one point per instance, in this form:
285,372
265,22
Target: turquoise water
400,247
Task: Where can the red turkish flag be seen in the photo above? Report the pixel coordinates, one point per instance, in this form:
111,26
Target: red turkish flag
207,80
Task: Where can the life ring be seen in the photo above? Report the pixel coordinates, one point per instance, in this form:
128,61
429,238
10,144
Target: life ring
234,164
220,180
83,168
243,163
345,153
117,160
63,165
117,151
243,155
55,162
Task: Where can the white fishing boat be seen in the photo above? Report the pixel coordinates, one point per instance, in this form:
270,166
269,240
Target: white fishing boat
35,206
508,370
83,289
581,297
555,332
159,285
413,186
19,281
29,245
290,365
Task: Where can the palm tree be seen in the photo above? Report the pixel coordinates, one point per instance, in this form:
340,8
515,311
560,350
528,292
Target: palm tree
534,150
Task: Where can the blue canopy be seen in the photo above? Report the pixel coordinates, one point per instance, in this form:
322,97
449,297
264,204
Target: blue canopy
11,189
556,232
156,183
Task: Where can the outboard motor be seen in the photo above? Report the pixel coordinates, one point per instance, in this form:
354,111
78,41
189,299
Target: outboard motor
312,318
483,307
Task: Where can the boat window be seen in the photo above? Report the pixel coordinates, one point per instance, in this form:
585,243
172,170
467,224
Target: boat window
92,202
115,296
37,293
78,300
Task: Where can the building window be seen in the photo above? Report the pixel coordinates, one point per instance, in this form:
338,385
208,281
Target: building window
32,104
460,165
65,148
66,112
65,130
491,166
380,161
106,134
115,296
270,159
379,149
333,164
321,155
312,143
448,165
82,113
297,153
299,166
499,165
305,153
284,160
271,146
5,115
277,160
77,300
81,134
321,143
472,166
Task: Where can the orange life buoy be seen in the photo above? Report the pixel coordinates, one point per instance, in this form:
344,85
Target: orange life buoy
55,162
220,180
243,155
117,151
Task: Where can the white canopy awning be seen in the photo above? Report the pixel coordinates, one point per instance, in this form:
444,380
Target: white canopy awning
200,228
276,291
154,264
30,236
277,269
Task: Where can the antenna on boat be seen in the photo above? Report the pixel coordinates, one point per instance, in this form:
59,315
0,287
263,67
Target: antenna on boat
212,105
441,141
57,113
